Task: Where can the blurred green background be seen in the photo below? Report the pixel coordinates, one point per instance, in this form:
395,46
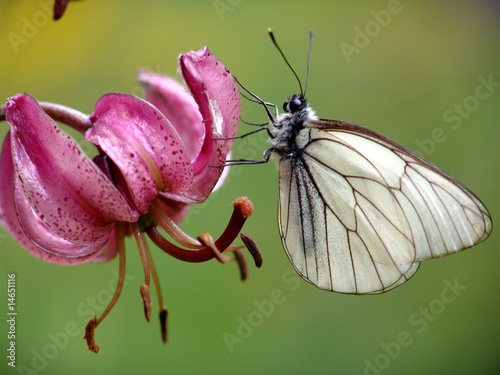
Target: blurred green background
403,79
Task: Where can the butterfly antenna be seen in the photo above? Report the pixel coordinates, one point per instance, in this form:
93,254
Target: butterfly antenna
311,39
271,34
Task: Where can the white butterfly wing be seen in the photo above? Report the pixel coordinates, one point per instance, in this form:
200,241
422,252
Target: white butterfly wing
359,212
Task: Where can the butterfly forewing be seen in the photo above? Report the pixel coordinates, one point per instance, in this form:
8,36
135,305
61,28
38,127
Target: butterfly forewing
358,212
457,218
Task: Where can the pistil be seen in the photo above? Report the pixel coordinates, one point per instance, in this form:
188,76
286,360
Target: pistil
243,208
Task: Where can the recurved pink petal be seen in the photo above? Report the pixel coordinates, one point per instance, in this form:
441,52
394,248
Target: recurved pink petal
109,251
214,90
143,144
178,106
10,220
65,189
46,240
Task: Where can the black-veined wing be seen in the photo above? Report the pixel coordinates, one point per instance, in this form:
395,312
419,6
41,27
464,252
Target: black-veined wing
359,212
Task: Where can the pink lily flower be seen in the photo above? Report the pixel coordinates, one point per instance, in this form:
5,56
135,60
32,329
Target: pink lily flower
67,209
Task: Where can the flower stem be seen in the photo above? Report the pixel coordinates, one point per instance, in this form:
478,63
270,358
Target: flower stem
69,116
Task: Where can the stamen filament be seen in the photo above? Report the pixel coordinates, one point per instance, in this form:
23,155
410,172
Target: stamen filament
207,240
163,309
142,245
94,322
177,234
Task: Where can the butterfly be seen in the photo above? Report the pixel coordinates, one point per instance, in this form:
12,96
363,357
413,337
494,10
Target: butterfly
357,211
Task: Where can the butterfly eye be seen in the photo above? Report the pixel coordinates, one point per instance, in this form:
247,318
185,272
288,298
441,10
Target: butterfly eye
285,106
294,104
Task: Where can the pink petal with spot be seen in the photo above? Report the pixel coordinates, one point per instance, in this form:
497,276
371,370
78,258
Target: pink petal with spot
214,90
10,220
178,106
143,144
65,189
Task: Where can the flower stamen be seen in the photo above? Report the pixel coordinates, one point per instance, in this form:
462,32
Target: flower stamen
163,309
252,248
167,224
146,298
207,241
163,324
238,256
89,335
94,322
143,252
